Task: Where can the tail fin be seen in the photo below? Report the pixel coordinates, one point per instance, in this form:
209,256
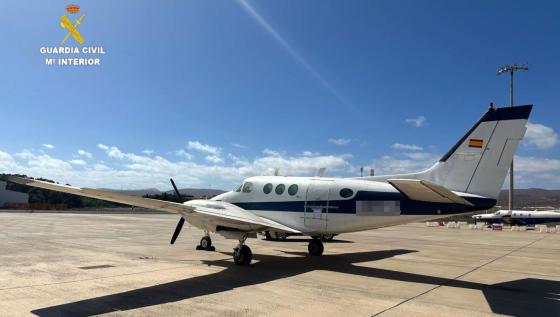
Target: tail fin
479,162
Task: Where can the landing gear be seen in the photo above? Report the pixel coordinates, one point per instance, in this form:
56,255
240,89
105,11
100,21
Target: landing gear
315,247
328,237
242,254
206,243
273,235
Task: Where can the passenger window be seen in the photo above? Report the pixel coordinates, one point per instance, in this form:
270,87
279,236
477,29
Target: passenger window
267,188
346,192
280,189
292,190
247,187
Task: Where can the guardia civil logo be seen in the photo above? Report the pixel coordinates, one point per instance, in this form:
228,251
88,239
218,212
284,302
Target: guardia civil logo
71,50
72,28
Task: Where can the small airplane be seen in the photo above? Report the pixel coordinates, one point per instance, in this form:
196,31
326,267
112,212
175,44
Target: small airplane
520,217
467,178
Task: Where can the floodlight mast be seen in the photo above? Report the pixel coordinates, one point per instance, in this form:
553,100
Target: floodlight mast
502,70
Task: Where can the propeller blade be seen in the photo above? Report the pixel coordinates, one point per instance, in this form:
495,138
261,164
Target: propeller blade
175,188
177,230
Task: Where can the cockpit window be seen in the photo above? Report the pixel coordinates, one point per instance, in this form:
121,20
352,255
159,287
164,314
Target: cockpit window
267,188
247,187
292,190
280,189
238,189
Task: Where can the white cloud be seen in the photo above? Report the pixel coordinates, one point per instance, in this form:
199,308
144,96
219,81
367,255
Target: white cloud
240,146
271,152
412,162
420,156
130,170
102,146
535,165
48,146
118,169
407,147
536,171
184,154
339,141
309,153
195,145
77,162
238,161
84,153
540,136
25,154
417,121
214,159
7,162
148,151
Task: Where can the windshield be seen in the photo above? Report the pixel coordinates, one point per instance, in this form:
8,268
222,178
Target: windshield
238,189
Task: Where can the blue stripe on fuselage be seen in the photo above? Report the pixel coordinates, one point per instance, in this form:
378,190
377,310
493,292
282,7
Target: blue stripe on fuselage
348,206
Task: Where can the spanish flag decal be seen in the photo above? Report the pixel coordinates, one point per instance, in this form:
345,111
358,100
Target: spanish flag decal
477,143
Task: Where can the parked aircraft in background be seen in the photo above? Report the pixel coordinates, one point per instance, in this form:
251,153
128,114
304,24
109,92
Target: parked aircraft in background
520,217
467,178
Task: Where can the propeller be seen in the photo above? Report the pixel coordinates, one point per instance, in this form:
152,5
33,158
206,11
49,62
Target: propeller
177,230
182,220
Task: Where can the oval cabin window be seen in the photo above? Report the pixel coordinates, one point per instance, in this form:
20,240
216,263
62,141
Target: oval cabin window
280,189
267,188
346,192
292,190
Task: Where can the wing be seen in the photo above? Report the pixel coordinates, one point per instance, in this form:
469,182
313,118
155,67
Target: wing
207,214
427,191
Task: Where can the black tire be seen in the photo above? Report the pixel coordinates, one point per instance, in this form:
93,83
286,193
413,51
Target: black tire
315,247
281,235
243,256
206,243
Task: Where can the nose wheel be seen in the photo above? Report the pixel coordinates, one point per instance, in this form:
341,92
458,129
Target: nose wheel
205,244
315,247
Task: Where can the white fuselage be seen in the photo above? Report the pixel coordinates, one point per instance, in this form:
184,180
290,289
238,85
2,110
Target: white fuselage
322,205
520,217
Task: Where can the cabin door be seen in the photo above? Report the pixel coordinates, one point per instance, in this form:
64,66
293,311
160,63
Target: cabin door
316,214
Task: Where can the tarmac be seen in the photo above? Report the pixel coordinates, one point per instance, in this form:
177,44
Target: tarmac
123,265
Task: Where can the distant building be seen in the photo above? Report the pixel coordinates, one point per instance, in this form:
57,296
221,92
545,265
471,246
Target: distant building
10,197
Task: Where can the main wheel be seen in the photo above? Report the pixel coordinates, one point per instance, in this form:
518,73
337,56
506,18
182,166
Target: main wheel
206,243
242,256
315,247
281,235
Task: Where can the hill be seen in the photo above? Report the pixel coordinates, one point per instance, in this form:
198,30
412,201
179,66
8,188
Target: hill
531,197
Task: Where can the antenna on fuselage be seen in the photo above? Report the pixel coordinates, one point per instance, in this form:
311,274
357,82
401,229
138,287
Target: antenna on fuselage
276,170
320,172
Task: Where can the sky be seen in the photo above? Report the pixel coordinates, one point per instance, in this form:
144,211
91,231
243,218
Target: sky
211,92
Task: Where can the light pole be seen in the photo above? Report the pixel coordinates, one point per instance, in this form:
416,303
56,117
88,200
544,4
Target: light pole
502,70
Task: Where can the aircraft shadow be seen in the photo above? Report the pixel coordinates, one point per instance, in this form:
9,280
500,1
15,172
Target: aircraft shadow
525,297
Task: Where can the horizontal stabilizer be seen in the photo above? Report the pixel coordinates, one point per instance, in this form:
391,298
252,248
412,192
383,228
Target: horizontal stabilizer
427,191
